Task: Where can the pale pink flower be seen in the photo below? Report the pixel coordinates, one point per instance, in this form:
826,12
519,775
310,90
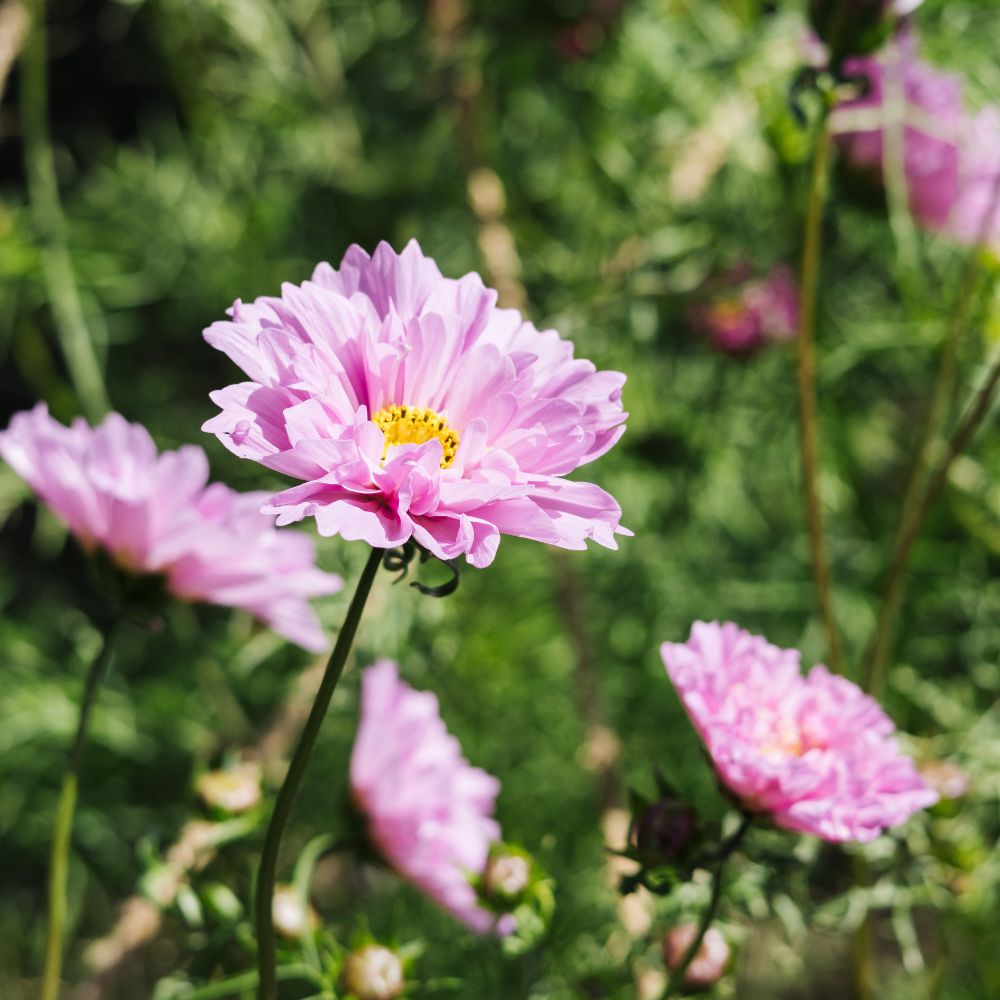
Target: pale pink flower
709,962
156,514
429,812
815,752
414,408
951,158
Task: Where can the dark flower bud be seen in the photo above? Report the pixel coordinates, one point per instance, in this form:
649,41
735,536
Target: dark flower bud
856,27
373,972
664,831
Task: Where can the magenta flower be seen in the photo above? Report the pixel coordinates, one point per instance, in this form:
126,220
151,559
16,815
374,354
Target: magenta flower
413,408
814,752
748,314
951,159
429,812
154,513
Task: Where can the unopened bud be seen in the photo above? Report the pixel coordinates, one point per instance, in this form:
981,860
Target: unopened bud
709,962
235,790
857,27
507,876
663,831
293,917
373,972
947,779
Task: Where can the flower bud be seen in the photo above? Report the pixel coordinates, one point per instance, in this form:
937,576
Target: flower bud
373,972
507,876
663,831
947,779
709,962
856,27
233,791
293,917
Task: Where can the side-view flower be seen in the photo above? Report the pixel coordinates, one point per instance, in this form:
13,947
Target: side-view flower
429,812
155,513
413,408
814,752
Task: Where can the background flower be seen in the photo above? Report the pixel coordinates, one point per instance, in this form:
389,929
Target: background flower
815,752
430,813
749,313
951,158
154,513
414,408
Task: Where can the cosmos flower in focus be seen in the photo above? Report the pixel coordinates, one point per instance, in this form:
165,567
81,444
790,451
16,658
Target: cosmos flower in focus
815,752
413,408
156,514
950,158
429,812
746,314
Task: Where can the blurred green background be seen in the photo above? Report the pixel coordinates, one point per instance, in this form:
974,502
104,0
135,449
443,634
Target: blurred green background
597,161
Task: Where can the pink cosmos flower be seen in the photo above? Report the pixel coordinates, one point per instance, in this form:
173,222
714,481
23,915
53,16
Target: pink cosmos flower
815,752
429,812
414,408
750,313
154,513
951,159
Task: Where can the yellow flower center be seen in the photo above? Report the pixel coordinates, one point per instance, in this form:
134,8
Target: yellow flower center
416,425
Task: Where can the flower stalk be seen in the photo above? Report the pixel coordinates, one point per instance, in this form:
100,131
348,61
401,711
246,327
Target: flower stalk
879,648
913,521
60,279
809,436
727,849
59,856
266,958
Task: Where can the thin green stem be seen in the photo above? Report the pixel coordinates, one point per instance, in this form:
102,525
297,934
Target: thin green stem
894,171
239,984
676,980
913,521
863,952
267,982
937,414
807,391
59,857
60,280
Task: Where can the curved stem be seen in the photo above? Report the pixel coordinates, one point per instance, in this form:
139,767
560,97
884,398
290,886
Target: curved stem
807,391
267,982
913,521
676,980
60,280
59,856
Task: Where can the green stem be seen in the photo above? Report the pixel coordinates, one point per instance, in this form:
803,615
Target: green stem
863,951
676,980
913,521
59,857
267,983
879,647
807,391
894,171
239,984
60,280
